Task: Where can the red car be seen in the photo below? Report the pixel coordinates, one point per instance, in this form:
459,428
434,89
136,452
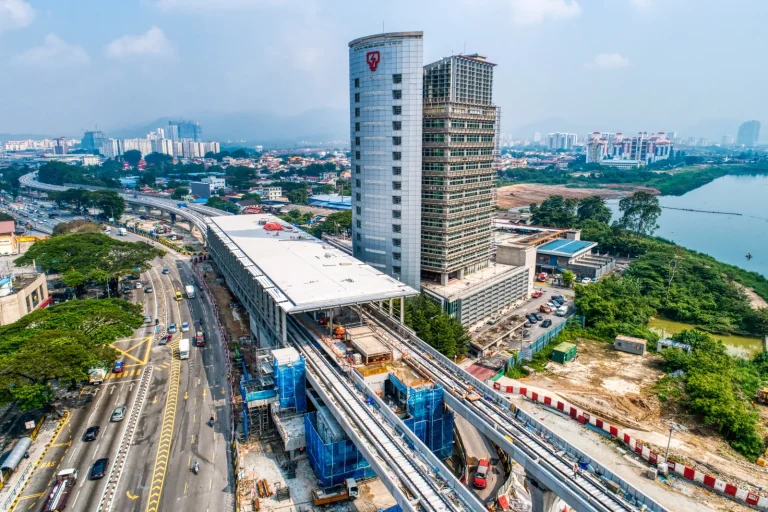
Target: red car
166,339
118,367
537,294
481,475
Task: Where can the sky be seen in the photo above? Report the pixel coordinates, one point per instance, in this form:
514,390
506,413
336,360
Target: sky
615,65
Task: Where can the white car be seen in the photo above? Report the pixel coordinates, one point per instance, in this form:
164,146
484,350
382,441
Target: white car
184,326
586,280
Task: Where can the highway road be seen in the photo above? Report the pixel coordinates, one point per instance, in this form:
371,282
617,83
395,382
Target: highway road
170,429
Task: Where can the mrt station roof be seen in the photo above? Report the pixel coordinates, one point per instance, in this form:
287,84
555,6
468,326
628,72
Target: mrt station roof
300,272
569,248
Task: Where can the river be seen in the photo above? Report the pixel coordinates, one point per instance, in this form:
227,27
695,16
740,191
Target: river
739,346
727,238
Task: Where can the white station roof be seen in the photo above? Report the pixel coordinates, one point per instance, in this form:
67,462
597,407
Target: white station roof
299,271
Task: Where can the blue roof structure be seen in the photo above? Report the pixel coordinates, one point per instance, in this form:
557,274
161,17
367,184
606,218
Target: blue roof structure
333,202
569,248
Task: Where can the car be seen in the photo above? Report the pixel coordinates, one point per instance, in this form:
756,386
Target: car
147,319
538,317
172,328
91,433
138,284
545,309
481,475
532,319
98,469
537,294
527,325
546,323
148,289
118,368
553,304
184,326
594,279
557,300
166,339
118,414
586,280
166,271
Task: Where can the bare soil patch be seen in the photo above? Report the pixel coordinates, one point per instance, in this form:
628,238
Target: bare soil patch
523,194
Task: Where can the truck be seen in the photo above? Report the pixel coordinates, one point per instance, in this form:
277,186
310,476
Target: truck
59,494
346,491
184,348
121,232
96,376
181,205
200,339
481,475
190,291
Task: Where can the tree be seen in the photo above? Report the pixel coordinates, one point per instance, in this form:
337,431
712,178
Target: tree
437,328
298,196
593,208
148,179
239,153
179,193
75,226
335,223
227,206
555,211
323,189
640,211
109,202
79,198
5,216
157,159
132,156
252,196
59,173
568,278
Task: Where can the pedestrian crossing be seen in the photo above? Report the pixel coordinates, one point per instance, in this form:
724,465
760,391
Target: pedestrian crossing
123,375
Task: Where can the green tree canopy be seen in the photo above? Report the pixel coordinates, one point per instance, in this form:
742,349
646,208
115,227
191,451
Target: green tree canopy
555,211
640,211
109,202
298,196
132,156
75,226
157,159
179,193
593,208
439,329
221,204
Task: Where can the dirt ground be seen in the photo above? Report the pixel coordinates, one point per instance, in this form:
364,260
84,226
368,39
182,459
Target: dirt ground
234,320
755,300
620,388
515,196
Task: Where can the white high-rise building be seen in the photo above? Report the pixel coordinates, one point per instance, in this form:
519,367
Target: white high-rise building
561,140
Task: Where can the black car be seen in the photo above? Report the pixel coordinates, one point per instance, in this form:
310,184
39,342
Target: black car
91,433
532,319
546,323
527,325
98,469
538,317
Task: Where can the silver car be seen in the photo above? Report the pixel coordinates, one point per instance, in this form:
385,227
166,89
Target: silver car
118,414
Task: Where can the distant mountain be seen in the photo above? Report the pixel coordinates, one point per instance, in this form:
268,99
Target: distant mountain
258,127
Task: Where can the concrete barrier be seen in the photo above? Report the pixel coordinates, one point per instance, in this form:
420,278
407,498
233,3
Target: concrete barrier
710,482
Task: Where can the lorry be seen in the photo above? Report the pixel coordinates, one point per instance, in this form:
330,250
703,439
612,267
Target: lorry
184,348
96,376
181,205
346,491
58,496
190,291
200,339
121,232
481,475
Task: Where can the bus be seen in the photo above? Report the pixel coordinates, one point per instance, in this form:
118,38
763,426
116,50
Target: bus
190,291
178,296
184,348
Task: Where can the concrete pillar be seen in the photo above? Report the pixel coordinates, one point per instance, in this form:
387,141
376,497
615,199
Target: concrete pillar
330,322
444,279
402,310
461,274
285,331
542,499
390,308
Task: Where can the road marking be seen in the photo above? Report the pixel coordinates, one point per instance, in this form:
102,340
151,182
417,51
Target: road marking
185,487
96,451
203,392
210,485
78,495
154,399
186,395
166,436
131,496
68,443
31,496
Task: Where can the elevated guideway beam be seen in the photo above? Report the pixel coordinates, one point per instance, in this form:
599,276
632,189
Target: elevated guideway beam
494,416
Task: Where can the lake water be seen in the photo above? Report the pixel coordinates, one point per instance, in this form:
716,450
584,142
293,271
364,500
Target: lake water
727,238
740,346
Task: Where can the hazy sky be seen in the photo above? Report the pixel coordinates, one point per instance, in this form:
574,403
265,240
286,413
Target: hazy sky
614,64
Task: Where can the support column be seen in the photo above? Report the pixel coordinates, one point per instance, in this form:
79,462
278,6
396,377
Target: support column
390,308
542,499
285,331
402,310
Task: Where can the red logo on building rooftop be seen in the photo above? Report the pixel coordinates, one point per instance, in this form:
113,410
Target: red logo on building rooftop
373,59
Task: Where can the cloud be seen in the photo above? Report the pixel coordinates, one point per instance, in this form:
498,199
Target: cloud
153,44
532,12
15,14
54,53
608,61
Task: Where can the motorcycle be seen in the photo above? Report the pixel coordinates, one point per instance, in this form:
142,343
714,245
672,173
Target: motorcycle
196,468
210,422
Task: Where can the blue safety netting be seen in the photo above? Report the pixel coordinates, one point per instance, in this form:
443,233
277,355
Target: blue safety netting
334,462
292,385
393,508
429,420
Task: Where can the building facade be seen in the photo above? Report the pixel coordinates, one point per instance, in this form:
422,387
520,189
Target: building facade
749,133
628,152
385,93
458,149
184,131
93,141
560,140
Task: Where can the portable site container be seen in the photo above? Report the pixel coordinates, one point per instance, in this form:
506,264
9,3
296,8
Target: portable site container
564,352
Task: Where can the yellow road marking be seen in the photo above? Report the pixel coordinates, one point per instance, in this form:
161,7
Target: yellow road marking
166,437
31,496
186,395
131,496
185,487
203,392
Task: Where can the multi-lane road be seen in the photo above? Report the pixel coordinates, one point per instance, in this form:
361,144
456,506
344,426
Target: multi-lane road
171,410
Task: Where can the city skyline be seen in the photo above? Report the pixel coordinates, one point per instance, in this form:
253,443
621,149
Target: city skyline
154,53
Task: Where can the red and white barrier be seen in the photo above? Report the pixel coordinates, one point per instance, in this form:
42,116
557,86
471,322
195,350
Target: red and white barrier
580,415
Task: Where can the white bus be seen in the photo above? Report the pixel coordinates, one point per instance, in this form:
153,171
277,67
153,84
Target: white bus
184,348
190,291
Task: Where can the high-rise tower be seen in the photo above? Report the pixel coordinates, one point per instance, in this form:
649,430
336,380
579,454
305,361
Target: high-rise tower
385,95
459,144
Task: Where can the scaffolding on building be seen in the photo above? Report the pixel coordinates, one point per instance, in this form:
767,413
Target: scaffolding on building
290,380
332,455
258,393
427,416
